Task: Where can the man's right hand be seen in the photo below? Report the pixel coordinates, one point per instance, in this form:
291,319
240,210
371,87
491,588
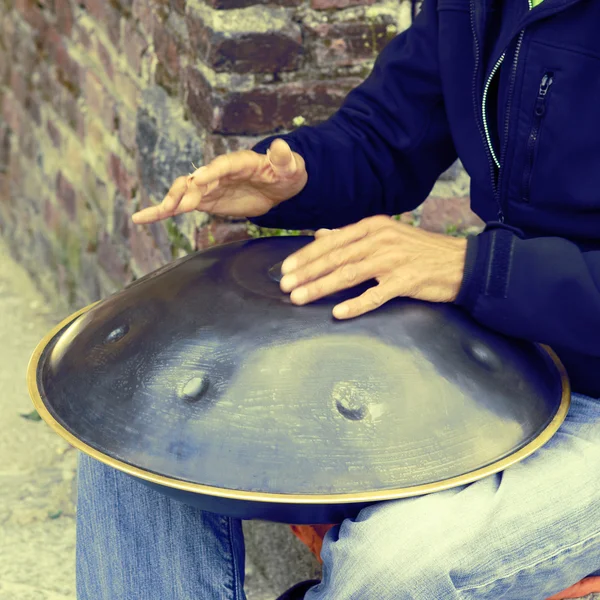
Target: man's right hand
240,184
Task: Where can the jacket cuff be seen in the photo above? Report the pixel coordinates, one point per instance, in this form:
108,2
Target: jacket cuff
475,262
487,264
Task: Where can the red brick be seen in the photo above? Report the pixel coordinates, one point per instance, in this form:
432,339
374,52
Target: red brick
168,47
220,231
32,13
71,112
121,178
28,142
269,108
5,64
107,14
346,43
178,6
66,195
329,4
18,85
127,129
33,108
49,89
111,261
162,9
54,134
198,94
215,145
46,4
12,113
124,6
105,59
67,69
145,254
82,36
52,216
98,100
158,231
15,171
439,214
5,147
64,16
134,45
227,4
51,43
127,89
142,12
247,52
23,48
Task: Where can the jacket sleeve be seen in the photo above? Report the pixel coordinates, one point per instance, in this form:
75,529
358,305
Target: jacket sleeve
384,148
543,290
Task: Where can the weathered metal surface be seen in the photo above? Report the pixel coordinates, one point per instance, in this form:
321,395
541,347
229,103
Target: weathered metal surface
202,378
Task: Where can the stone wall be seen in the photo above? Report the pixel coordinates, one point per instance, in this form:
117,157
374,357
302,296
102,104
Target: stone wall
105,102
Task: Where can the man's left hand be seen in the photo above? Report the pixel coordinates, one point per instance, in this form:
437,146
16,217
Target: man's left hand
405,261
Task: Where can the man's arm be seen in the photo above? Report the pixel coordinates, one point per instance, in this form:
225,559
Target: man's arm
383,150
541,289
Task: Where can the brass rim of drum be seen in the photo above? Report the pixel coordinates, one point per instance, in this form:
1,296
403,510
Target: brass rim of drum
376,496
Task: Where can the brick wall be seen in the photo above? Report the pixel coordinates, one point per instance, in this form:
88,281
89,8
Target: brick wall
105,102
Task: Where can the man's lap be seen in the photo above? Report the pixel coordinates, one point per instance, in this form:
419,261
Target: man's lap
526,533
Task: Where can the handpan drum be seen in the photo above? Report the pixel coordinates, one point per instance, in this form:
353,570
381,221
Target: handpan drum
203,381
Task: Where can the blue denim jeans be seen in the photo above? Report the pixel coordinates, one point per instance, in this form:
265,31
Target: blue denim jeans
523,534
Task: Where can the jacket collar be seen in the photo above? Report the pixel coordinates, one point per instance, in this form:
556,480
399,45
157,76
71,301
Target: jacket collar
481,10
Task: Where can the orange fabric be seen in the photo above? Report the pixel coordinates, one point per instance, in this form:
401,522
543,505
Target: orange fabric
312,536
589,585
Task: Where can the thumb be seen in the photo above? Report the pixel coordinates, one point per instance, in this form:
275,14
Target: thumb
282,158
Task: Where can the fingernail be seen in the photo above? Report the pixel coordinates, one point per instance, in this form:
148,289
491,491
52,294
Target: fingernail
340,311
299,296
289,282
288,265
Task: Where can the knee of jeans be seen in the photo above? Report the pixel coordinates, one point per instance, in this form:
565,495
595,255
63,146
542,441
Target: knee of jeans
359,565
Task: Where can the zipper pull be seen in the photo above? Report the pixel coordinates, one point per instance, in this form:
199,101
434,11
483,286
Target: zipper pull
547,81
540,103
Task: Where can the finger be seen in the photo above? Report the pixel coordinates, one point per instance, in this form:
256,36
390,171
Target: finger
225,165
335,239
198,199
372,299
166,208
281,158
188,203
332,261
324,245
322,232
346,277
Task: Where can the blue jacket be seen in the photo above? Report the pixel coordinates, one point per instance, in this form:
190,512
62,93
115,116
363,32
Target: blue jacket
515,94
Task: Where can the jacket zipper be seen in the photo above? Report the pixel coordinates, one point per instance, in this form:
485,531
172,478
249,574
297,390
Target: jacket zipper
492,158
511,88
486,89
480,124
538,116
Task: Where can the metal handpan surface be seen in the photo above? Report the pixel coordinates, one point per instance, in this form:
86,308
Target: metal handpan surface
203,380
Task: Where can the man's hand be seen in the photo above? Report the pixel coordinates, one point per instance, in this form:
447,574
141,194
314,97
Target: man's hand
405,260
240,184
